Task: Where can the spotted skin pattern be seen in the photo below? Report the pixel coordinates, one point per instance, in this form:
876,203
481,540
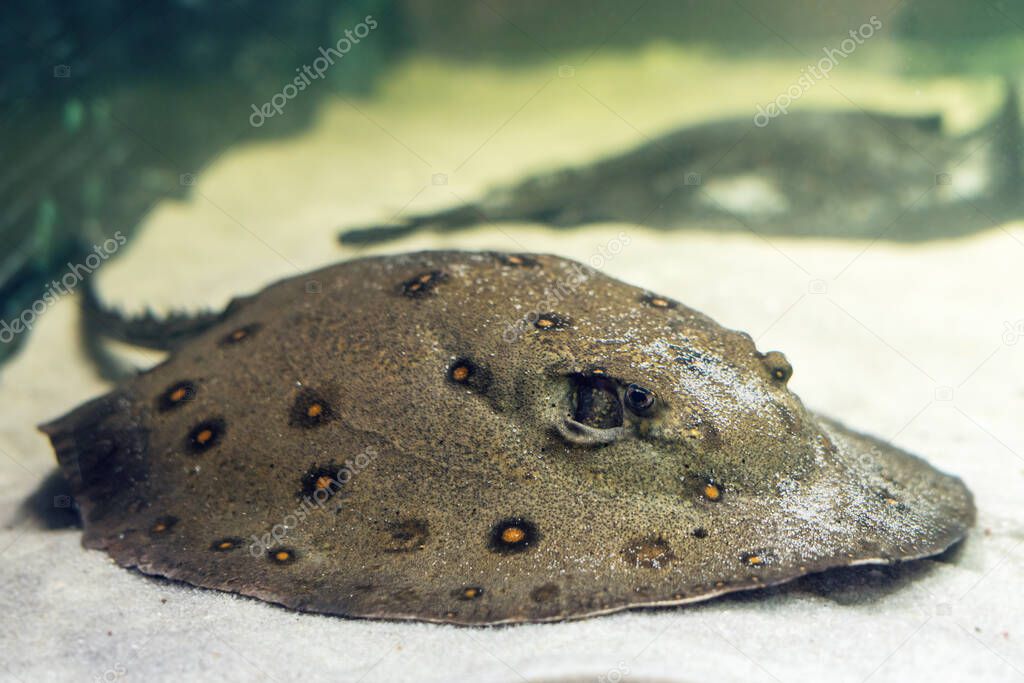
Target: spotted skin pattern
630,453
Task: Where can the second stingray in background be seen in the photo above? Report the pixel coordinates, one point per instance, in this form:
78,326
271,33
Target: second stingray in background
846,174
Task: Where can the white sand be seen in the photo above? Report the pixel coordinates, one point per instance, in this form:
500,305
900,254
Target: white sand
907,343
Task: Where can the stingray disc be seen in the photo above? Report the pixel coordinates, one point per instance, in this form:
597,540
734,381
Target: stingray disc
484,438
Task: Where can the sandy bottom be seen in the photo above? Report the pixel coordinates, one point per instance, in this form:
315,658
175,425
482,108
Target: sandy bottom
906,342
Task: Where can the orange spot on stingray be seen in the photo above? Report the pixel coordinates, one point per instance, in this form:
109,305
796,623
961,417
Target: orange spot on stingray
513,534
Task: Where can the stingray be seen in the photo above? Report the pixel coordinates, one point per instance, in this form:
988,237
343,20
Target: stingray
855,173
484,438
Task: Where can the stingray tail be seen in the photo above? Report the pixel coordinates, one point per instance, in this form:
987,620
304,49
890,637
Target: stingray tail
147,330
455,218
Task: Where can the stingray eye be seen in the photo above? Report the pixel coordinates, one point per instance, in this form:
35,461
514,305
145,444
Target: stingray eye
638,399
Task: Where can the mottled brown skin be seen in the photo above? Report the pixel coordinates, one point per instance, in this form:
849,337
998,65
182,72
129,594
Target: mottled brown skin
510,470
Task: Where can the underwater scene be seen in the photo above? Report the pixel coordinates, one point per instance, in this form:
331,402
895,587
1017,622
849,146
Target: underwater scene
637,341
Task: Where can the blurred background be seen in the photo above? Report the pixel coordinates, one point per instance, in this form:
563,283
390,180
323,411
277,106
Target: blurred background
842,180
284,124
